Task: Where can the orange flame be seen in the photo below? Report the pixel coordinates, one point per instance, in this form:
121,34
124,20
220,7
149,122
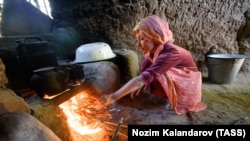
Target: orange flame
80,123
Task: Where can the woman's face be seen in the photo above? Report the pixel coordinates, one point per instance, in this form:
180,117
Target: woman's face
145,45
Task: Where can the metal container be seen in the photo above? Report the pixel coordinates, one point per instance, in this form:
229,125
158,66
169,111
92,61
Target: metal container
77,75
93,52
50,81
33,53
223,68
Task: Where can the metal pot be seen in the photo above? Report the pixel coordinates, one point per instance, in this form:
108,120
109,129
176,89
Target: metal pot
76,73
50,81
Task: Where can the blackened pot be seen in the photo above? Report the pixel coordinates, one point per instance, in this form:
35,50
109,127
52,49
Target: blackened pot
50,81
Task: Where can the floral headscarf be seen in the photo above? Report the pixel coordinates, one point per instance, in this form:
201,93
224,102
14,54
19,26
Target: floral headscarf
154,29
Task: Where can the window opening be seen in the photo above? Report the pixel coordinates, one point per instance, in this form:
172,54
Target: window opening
42,5
1,9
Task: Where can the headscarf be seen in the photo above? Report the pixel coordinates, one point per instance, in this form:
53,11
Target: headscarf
154,29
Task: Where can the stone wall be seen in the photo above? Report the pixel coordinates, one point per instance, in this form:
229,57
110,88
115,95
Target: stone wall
197,25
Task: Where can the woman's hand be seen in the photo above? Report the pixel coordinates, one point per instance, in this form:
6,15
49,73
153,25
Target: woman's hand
136,93
107,99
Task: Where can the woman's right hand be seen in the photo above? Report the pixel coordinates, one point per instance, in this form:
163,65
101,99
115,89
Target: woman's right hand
136,93
107,99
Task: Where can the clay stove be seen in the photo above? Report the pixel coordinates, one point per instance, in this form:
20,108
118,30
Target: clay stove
78,111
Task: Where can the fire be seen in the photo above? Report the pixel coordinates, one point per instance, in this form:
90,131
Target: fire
84,113
88,120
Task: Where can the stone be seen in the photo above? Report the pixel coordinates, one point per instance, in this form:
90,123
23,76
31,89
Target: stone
3,78
16,126
12,102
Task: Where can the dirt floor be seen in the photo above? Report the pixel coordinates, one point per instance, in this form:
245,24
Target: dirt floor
227,104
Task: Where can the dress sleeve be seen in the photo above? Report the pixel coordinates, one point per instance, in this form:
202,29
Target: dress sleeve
165,60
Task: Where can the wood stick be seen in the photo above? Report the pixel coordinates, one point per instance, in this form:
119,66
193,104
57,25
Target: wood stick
115,124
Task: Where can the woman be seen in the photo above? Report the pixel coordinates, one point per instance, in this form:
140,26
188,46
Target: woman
167,71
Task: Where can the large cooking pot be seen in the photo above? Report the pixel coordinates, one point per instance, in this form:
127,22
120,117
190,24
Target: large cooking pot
92,52
77,75
49,81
